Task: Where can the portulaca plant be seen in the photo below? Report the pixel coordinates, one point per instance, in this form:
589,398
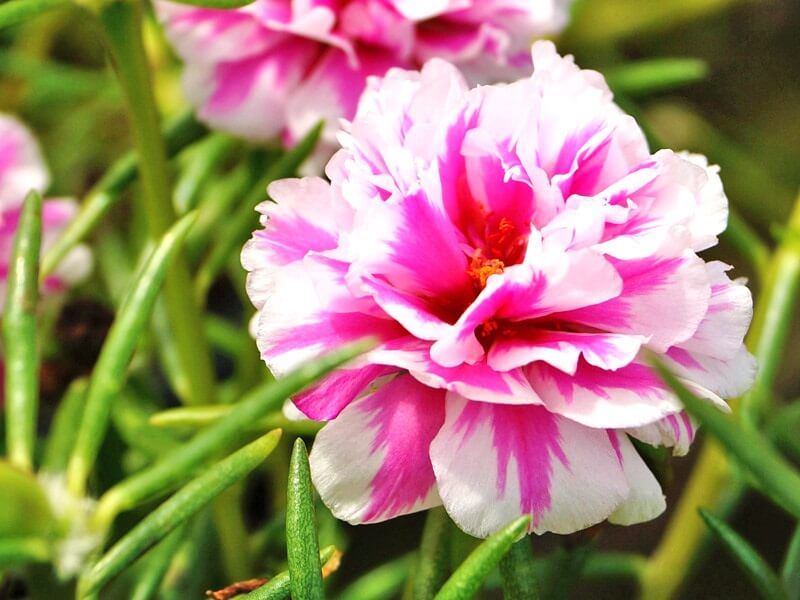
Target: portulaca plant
495,298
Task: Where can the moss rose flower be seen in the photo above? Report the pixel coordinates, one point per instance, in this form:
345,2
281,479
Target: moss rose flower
22,169
276,67
515,248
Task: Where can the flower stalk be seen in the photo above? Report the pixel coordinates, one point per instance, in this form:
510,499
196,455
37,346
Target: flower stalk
122,24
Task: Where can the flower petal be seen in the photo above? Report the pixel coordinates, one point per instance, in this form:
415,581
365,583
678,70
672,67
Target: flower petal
372,463
645,501
494,463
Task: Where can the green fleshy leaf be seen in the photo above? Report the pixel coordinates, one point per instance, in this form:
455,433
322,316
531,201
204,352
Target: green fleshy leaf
178,466
757,570
176,510
382,582
790,571
656,75
775,477
433,565
207,155
302,545
20,351
469,577
197,417
149,579
108,377
279,586
21,11
16,552
64,428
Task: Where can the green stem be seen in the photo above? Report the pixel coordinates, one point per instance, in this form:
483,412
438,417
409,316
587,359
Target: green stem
519,572
122,23
434,555
711,478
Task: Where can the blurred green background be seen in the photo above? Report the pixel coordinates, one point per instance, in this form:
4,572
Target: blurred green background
742,110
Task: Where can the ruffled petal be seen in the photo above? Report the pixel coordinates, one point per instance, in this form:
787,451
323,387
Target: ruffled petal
372,463
495,463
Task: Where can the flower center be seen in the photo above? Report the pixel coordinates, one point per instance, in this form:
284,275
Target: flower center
481,268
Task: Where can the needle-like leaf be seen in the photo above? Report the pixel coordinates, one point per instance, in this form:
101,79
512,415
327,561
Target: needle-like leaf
469,577
176,510
109,372
774,476
302,545
756,568
21,356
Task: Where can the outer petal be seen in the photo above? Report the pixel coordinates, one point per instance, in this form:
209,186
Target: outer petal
304,218
494,463
663,298
293,326
628,397
728,378
730,310
372,463
328,398
674,431
646,500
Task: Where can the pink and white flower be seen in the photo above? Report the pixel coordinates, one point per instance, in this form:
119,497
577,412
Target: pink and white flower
515,249
277,67
22,169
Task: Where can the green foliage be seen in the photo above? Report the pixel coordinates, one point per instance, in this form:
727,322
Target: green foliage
774,476
20,11
467,579
109,375
180,507
519,573
180,473
19,335
758,571
302,545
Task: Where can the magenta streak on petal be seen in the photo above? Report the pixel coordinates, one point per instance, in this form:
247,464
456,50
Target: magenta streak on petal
676,428
427,248
289,237
722,307
684,359
331,330
234,80
634,377
687,423
530,436
327,399
406,416
216,21
640,277
613,437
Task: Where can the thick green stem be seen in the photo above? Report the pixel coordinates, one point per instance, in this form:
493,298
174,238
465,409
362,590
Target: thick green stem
122,23
711,480
518,571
